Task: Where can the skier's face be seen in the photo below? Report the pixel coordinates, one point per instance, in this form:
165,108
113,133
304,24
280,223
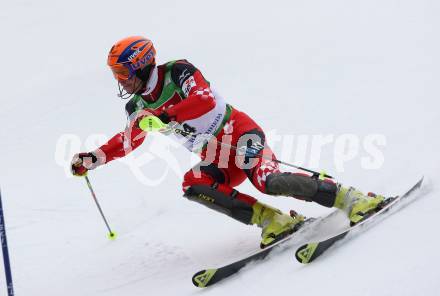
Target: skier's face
131,85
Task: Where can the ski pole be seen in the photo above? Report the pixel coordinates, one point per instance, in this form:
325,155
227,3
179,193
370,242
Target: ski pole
152,123
111,234
5,250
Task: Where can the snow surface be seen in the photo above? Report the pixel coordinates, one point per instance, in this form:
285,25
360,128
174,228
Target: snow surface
298,67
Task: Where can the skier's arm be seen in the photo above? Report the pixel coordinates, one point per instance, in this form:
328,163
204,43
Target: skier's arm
121,144
124,142
118,146
199,98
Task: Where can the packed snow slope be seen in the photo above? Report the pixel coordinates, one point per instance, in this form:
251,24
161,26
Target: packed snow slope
310,68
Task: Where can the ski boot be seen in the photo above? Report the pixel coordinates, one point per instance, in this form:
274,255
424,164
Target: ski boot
275,225
356,204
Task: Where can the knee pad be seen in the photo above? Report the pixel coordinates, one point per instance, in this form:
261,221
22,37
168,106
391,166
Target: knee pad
326,193
303,187
289,184
220,202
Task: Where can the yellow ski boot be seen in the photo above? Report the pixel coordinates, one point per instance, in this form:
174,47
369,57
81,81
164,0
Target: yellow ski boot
355,203
275,225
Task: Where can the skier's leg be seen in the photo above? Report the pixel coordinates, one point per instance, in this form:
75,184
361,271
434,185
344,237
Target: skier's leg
273,222
265,175
302,186
268,179
323,192
210,187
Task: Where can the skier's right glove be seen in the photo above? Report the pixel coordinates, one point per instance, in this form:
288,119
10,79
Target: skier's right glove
82,163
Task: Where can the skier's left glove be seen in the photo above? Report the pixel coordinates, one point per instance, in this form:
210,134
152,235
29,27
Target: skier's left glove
82,163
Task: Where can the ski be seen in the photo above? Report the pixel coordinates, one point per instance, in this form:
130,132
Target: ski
208,277
312,250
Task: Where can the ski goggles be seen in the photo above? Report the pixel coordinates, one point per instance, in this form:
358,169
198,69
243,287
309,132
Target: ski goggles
121,71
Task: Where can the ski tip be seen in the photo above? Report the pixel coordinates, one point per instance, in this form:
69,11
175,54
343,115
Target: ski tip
305,253
418,185
202,279
422,179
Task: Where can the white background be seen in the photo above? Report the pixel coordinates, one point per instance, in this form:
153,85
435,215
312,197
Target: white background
300,67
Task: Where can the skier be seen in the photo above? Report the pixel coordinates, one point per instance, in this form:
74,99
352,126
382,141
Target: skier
178,92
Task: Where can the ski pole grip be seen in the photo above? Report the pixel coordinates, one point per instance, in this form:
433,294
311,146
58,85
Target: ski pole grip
151,124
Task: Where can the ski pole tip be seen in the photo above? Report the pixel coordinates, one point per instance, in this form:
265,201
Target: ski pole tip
112,235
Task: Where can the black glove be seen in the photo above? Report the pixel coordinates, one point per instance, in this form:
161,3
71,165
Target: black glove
82,163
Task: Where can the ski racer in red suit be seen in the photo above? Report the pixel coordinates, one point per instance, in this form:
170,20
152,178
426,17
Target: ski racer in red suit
178,92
